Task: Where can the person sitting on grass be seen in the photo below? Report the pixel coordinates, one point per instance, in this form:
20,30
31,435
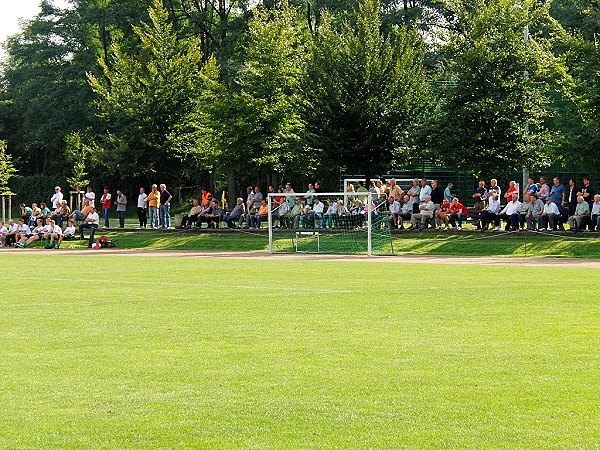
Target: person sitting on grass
259,216
458,214
192,216
53,234
579,220
595,222
442,215
510,213
36,235
91,223
236,215
491,214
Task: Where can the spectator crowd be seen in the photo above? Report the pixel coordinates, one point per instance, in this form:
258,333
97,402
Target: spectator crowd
539,206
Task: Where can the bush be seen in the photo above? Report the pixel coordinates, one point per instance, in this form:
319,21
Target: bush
37,188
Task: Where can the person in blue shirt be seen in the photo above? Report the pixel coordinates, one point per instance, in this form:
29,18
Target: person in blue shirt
557,194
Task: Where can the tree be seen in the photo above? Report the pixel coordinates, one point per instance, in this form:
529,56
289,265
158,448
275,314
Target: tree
77,154
365,92
145,97
7,170
492,120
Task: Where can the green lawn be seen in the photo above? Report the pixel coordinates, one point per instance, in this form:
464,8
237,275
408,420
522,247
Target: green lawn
106,351
584,245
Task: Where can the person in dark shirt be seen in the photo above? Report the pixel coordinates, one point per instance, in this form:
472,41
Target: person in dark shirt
572,196
165,207
587,192
437,194
480,196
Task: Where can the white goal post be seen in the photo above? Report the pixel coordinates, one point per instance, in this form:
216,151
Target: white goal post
300,218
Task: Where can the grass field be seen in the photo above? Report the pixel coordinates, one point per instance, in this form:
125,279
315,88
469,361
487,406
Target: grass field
586,245
166,352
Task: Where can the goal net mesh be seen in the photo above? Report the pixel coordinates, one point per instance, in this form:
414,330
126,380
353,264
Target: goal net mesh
334,223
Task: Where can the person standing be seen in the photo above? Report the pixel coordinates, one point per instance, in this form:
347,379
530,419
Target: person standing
142,204
121,208
106,203
153,205
57,198
165,207
89,197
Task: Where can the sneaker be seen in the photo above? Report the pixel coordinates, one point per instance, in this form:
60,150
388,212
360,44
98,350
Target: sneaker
446,228
496,229
459,228
438,229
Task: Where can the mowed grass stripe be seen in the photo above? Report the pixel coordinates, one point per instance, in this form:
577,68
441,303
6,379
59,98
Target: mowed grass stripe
226,353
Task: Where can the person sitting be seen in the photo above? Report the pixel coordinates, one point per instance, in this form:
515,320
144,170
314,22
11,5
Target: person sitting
260,215
579,220
68,234
550,215
393,212
26,214
36,213
406,211
442,215
282,213
330,215
53,234
236,215
315,214
37,234
491,214
458,214
425,214
214,217
92,221
595,219
205,210
59,212
536,207
296,212
510,213
45,211
10,238
23,233
192,216
524,211
3,233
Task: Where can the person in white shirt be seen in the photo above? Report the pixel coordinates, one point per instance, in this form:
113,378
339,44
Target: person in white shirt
330,214
315,214
57,198
89,197
23,232
425,190
595,213
37,234
10,238
393,212
510,213
142,207
69,233
3,233
53,234
91,223
425,213
550,216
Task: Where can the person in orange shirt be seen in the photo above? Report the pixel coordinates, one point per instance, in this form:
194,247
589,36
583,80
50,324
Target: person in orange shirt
153,204
260,215
205,196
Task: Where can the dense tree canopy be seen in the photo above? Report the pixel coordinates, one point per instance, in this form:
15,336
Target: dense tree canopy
236,89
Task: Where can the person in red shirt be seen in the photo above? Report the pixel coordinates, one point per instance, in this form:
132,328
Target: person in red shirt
458,213
442,215
105,201
512,189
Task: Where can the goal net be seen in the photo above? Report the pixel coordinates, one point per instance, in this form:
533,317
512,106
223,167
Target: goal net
336,223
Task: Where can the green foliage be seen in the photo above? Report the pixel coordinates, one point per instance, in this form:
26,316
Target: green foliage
501,86
144,97
77,154
365,92
7,169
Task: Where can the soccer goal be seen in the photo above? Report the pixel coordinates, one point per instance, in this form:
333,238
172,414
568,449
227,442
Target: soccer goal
333,222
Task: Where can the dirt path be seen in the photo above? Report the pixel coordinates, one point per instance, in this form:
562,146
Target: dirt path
407,259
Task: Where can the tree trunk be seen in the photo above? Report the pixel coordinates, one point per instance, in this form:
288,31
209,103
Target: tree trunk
231,189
